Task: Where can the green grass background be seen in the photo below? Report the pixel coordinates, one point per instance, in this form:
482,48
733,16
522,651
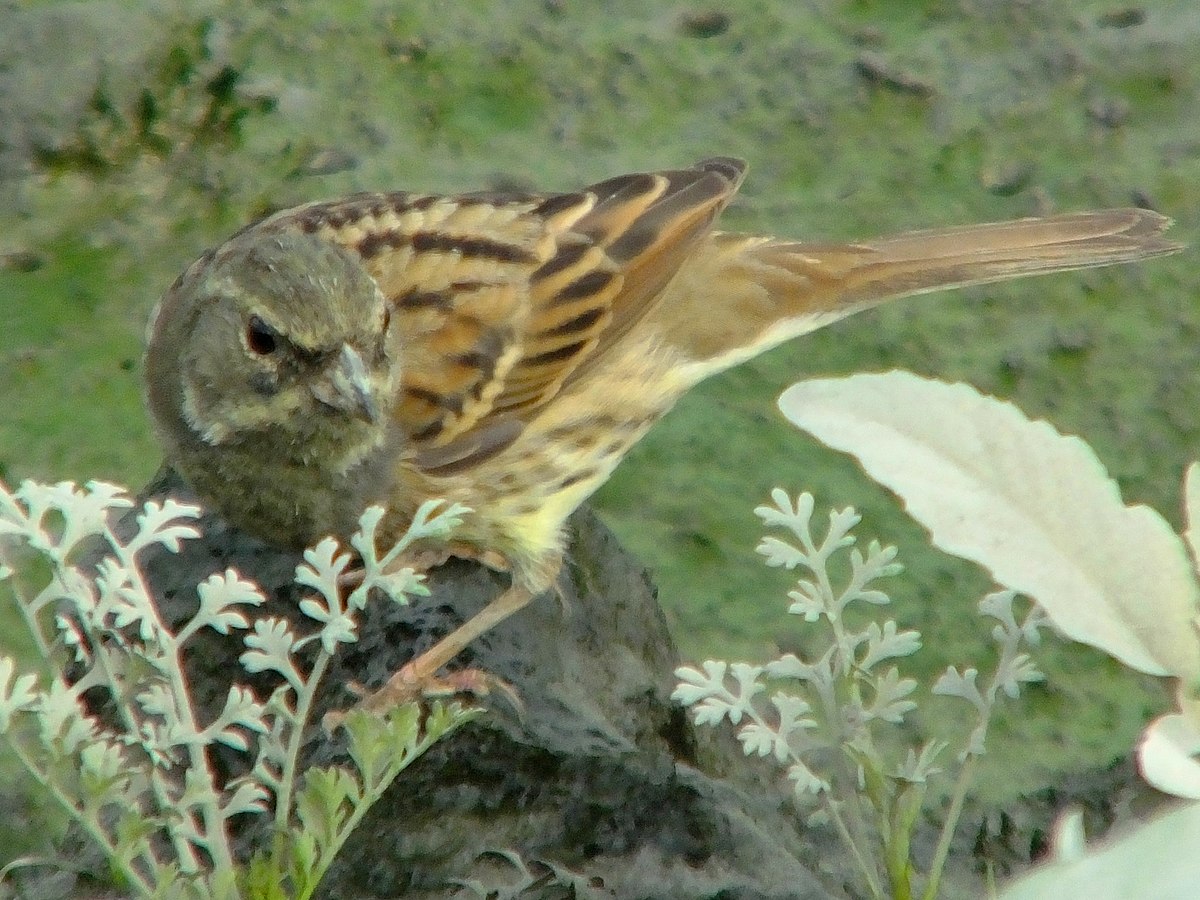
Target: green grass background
160,127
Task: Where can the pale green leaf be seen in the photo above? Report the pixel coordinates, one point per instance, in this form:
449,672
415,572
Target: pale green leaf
1167,755
1156,860
246,797
219,594
16,695
324,802
1191,510
1034,507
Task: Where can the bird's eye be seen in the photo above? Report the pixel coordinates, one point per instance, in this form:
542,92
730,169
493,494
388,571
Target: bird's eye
261,338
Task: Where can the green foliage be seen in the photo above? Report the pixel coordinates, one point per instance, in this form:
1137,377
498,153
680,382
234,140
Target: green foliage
191,95
824,718
138,780
1040,512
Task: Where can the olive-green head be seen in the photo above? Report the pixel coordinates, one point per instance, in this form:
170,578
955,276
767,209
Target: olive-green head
276,340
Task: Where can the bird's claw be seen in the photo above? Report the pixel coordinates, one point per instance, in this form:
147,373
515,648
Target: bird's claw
407,686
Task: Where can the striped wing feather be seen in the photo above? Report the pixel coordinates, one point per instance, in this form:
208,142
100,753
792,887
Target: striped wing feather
505,299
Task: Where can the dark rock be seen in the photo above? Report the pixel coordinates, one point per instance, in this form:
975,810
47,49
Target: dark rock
602,774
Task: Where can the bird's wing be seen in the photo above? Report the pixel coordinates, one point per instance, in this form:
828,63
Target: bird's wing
506,298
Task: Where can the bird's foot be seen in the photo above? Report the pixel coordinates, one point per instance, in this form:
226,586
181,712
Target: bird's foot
410,685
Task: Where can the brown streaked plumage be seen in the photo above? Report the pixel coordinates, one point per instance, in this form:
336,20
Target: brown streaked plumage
505,351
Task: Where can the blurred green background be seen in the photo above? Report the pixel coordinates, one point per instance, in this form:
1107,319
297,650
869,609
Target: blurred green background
137,134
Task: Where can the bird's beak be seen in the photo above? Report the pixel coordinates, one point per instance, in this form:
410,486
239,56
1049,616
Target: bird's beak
347,387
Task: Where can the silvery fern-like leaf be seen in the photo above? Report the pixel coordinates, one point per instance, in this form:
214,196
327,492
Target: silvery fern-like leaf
241,711
157,524
805,782
790,666
13,519
919,768
793,714
378,572
889,704
852,640
807,602
841,522
877,564
746,675
321,569
271,645
322,572
781,554
1019,669
363,540
241,708
16,695
58,712
819,673
104,760
759,739
784,515
219,594
1034,621
695,685
397,586
37,500
707,692
881,561
73,639
246,797
85,512
110,577
999,605
339,628
157,700
888,643
714,710
132,606
152,739
435,519
953,684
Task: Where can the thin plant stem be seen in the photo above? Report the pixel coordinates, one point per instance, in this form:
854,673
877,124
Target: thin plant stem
867,870
217,840
24,605
965,774
89,823
287,775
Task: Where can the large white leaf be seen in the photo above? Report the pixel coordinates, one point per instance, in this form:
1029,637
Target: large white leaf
1167,755
1156,860
1191,509
1034,507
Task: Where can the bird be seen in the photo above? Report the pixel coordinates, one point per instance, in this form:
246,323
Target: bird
505,350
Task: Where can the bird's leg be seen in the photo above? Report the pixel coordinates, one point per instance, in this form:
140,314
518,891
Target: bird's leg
419,676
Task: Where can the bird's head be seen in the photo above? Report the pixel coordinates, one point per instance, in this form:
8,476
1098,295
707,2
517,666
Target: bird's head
281,341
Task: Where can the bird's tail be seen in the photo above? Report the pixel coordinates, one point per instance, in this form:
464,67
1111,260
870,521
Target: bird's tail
749,294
